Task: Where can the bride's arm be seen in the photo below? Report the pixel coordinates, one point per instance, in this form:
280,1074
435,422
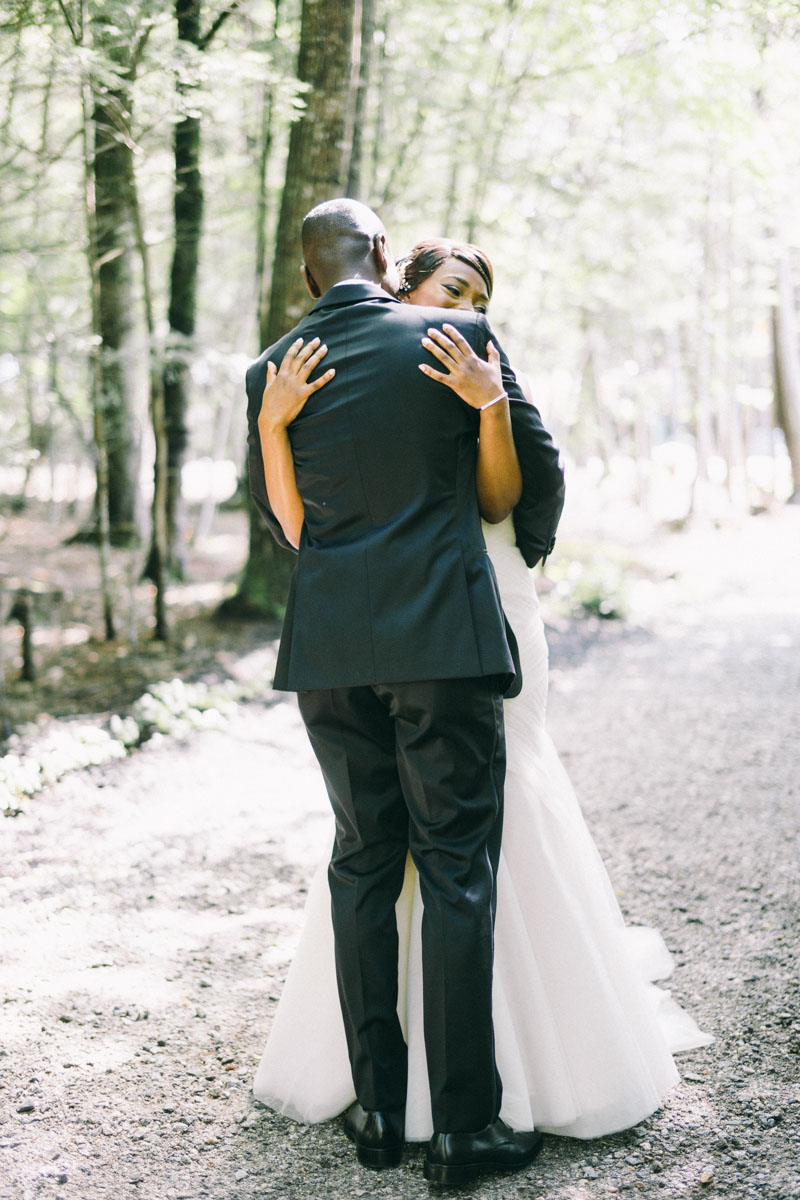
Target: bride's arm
479,383
284,396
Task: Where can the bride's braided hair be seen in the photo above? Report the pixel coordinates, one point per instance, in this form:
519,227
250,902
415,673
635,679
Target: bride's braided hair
416,266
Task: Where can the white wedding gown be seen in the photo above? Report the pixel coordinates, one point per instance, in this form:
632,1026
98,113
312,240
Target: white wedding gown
584,1039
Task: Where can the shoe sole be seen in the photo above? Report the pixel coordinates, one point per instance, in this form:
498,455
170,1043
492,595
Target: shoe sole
453,1174
374,1157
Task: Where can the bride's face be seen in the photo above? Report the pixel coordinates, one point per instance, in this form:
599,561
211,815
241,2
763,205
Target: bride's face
453,284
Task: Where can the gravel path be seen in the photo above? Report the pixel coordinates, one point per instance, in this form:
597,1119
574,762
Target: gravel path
150,909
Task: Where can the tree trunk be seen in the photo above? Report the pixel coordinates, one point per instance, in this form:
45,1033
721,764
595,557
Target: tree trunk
362,70
262,207
786,373
382,71
319,153
188,216
96,374
112,168
158,550
591,436
264,584
316,169
77,27
188,224
702,411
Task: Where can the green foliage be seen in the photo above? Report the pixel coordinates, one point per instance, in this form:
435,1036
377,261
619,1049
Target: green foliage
594,587
177,708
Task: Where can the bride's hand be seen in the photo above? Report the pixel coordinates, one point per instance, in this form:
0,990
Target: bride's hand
288,389
476,380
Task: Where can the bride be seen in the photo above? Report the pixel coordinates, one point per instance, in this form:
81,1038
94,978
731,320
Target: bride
584,1040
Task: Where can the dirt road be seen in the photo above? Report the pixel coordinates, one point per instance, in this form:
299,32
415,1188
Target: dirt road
150,908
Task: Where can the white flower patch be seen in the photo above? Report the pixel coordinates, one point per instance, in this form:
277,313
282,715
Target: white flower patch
41,755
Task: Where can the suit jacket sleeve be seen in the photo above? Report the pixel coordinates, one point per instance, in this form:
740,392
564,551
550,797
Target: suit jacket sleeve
256,380
537,514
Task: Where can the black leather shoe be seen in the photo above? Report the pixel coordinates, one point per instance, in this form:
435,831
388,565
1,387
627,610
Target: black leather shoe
378,1135
455,1158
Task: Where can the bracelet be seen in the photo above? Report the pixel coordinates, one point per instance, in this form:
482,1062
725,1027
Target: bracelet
497,399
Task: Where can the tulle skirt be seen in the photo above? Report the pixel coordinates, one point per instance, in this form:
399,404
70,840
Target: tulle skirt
584,1038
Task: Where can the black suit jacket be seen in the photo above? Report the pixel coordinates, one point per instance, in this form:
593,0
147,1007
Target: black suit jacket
393,582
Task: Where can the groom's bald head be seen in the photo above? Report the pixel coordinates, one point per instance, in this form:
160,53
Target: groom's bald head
343,239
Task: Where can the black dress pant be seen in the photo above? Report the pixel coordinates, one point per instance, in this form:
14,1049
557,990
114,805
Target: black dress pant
416,767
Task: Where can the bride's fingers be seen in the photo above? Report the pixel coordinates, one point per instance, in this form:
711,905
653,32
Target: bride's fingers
443,342
437,375
445,357
308,366
305,352
459,339
291,353
492,353
318,383
272,371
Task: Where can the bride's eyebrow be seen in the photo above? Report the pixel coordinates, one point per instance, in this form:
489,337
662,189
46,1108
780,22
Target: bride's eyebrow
465,283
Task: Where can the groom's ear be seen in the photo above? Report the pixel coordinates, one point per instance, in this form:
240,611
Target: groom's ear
385,265
311,283
381,252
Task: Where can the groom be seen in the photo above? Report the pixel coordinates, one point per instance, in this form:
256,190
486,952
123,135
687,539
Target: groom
395,641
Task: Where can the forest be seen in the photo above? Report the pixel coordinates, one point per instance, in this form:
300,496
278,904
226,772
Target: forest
632,167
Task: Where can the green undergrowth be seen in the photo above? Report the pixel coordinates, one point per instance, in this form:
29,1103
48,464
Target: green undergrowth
41,753
588,580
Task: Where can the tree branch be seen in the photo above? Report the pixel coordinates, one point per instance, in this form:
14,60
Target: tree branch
138,51
72,28
207,38
10,58
544,76
43,163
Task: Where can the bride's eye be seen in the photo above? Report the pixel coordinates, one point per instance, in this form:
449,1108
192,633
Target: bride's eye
452,290
480,308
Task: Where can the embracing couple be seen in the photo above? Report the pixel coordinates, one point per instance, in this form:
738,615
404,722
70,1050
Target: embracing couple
381,431
396,643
